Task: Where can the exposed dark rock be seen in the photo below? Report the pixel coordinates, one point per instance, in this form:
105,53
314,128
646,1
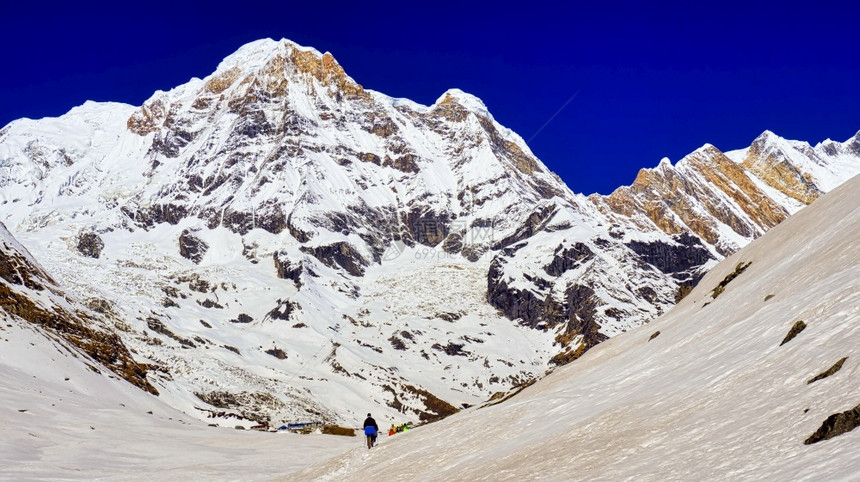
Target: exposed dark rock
397,343
283,311
794,331
252,124
100,305
90,245
242,318
473,252
290,268
514,303
158,327
370,157
568,355
337,430
580,314
449,317
406,163
648,294
160,213
76,329
426,227
191,247
233,349
567,258
277,353
654,335
301,236
207,325
615,313
536,222
196,283
683,291
452,349
740,268
340,254
270,216
826,373
835,425
251,405
768,297
673,259
437,409
453,243
218,399
207,303
239,222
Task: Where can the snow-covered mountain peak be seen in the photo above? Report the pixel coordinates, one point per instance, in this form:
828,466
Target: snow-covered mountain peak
464,99
253,56
275,208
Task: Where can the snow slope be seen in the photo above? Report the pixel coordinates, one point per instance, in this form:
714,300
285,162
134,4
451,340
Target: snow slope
63,421
713,396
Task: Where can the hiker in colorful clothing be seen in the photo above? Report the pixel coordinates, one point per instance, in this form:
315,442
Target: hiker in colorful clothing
370,430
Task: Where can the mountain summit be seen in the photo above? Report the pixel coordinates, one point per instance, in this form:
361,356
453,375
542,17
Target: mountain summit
278,242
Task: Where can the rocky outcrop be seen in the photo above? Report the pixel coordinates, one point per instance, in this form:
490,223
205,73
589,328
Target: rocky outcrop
836,424
826,373
426,226
679,260
339,254
90,245
769,158
61,315
516,304
290,268
535,222
577,311
566,258
795,330
284,310
192,247
704,190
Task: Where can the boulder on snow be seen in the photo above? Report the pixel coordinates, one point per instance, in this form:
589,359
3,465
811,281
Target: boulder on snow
836,424
191,247
90,245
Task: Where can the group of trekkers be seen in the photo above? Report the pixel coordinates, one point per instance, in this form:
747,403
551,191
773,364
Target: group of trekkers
399,428
371,430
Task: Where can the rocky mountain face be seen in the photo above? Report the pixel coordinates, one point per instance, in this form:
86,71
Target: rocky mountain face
284,244
30,296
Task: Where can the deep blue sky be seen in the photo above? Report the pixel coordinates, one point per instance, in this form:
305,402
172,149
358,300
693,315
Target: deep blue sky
653,81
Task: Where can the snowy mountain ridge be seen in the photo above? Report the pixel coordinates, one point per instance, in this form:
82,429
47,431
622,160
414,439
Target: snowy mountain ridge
286,244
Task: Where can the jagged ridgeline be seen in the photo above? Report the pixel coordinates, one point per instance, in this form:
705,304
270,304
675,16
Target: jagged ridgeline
388,252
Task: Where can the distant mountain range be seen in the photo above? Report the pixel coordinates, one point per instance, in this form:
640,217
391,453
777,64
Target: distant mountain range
276,242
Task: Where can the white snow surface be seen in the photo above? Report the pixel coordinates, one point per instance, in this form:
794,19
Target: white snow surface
714,396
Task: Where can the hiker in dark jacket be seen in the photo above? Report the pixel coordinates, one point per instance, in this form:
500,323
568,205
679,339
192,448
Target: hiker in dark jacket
370,430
